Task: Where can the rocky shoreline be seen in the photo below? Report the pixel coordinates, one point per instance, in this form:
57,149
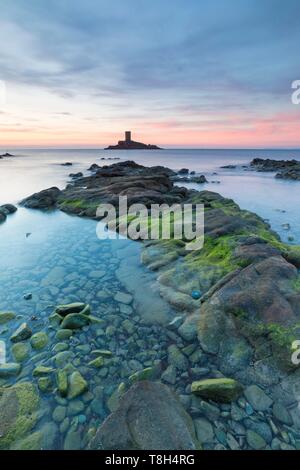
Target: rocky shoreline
285,169
226,352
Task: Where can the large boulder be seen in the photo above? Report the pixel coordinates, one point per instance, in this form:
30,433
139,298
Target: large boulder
42,200
149,417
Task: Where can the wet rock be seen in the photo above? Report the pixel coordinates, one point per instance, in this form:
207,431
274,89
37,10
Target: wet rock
169,375
45,384
62,335
73,440
21,334
42,370
204,430
220,390
20,351
176,358
145,419
63,358
146,374
77,385
10,369
258,398
75,321
39,340
42,200
76,307
281,413
255,441
123,298
18,404
97,363
6,317
62,382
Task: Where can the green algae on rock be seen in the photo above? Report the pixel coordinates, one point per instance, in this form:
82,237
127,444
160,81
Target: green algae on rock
6,317
223,390
77,385
18,412
39,340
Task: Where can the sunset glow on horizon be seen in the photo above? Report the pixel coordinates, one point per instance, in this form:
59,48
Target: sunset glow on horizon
198,75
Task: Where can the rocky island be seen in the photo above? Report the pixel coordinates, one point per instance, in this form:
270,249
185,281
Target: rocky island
129,144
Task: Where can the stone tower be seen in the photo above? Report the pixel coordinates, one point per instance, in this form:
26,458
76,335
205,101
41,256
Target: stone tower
127,136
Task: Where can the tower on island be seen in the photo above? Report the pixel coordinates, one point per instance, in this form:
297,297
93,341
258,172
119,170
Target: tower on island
129,144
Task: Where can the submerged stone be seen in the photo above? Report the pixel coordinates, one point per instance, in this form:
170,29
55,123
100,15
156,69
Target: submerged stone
20,351
42,370
62,382
21,334
196,294
220,390
9,369
77,385
39,340
62,335
97,363
45,384
5,317
75,307
75,321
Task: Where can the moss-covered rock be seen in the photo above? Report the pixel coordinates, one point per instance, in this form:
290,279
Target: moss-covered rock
39,340
18,412
77,385
5,317
97,363
62,382
222,390
20,351
75,321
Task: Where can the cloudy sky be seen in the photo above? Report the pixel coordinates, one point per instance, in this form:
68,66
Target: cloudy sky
180,73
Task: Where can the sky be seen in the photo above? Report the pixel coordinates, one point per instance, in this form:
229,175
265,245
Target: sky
180,73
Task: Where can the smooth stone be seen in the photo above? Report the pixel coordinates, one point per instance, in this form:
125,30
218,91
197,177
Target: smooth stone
63,358
145,374
254,440
176,358
196,294
42,370
97,363
45,384
6,317
21,334
20,351
257,398
72,440
39,340
62,335
102,352
59,414
77,385
9,369
62,382
281,413
66,309
75,321
123,298
59,347
204,430
169,375
222,390
75,407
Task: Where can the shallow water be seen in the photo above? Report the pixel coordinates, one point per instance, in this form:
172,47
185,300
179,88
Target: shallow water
59,259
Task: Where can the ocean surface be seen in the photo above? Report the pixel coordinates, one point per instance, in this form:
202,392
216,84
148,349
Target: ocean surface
275,200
